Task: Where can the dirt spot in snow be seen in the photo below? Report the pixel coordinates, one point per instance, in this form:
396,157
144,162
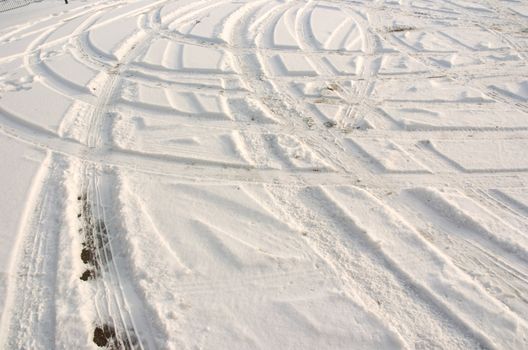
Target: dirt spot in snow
399,28
106,336
88,275
330,124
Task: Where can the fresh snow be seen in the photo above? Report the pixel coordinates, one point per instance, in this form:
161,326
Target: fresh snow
264,174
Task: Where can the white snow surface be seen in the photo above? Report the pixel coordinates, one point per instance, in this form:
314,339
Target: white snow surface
264,174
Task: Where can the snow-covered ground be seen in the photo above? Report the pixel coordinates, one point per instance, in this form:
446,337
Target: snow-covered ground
266,174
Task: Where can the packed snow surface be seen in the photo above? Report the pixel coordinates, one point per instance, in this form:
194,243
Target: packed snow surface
266,174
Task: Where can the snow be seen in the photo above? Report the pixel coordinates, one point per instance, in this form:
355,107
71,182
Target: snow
247,174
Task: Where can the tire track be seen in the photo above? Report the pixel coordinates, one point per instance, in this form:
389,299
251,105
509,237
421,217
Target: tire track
116,324
501,274
29,318
366,274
